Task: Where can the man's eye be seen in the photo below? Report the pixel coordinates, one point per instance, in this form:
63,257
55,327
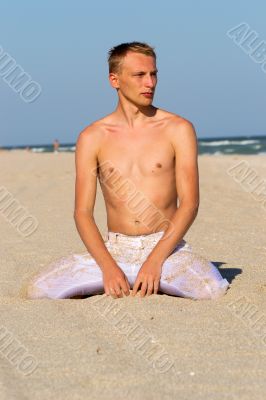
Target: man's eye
155,74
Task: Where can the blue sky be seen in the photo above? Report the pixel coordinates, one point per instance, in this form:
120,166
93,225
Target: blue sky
203,76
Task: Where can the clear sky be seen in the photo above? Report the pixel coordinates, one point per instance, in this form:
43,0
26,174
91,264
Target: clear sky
203,75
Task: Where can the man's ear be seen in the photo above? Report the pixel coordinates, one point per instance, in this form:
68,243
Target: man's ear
114,80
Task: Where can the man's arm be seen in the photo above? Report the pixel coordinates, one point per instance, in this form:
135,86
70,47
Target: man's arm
85,193
184,141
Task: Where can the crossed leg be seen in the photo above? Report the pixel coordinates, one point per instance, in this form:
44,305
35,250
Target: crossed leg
184,274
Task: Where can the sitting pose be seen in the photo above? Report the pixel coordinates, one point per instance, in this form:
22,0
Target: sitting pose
145,159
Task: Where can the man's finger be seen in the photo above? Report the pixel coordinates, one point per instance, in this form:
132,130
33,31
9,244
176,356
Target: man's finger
125,287
150,287
118,291
136,286
156,286
114,292
107,291
143,288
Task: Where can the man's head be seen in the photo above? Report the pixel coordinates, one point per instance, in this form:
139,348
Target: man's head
133,72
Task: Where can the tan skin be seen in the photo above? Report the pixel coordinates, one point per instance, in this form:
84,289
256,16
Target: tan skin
157,152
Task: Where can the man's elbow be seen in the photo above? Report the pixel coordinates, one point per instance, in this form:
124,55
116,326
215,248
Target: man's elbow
81,214
196,209
192,207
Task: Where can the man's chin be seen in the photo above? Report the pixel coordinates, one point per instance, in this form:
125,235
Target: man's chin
147,102
143,103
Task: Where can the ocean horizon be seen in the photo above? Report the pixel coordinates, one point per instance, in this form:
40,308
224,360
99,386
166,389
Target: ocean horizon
210,145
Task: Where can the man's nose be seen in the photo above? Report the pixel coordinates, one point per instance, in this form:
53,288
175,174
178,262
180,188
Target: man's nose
150,81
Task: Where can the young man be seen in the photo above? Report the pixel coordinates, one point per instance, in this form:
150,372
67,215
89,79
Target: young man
145,159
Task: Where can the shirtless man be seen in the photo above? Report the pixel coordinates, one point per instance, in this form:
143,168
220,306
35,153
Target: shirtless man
153,152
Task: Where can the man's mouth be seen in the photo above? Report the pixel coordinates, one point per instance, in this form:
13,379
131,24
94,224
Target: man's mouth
147,94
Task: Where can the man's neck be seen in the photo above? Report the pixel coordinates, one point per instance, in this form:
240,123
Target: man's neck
133,116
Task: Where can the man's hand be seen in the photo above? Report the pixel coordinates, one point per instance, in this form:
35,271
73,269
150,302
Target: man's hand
149,278
115,282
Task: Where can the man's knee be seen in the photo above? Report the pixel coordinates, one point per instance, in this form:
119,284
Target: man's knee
195,276
211,289
211,283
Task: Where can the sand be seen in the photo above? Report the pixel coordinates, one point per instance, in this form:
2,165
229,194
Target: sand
101,348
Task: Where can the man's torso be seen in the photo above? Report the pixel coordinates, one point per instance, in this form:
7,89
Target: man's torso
137,174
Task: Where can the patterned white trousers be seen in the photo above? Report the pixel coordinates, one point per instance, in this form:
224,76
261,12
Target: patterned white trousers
184,273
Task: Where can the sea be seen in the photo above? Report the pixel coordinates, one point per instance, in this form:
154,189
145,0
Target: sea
211,145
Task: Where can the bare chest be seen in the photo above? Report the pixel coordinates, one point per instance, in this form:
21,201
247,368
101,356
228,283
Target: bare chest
136,156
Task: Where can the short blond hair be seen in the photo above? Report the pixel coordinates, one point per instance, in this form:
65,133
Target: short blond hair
117,53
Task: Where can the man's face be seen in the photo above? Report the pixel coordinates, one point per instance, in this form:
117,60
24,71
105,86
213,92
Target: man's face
137,77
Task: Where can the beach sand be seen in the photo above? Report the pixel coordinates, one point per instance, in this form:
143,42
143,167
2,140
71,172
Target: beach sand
78,349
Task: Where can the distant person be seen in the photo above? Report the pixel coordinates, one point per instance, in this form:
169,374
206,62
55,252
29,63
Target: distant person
137,150
56,145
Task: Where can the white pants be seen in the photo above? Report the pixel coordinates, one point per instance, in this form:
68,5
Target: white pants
184,273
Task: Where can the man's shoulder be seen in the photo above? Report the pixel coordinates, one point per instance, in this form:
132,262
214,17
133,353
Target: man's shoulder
175,120
177,125
94,130
180,131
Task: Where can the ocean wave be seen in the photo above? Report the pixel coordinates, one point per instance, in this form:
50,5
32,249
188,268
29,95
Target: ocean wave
38,149
227,142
